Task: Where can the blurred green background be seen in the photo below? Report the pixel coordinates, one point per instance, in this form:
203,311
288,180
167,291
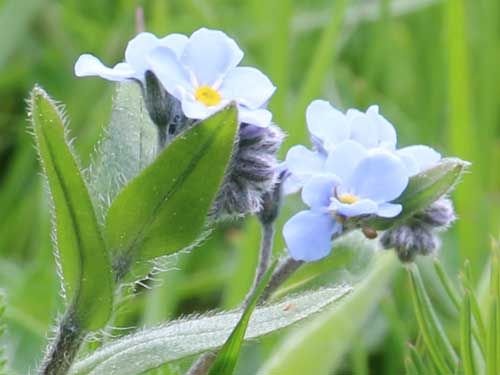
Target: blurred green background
432,66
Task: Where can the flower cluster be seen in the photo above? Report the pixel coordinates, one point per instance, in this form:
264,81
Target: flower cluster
186,79
354,170
200,71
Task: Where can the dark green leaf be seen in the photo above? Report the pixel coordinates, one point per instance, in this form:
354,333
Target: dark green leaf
81,251
164,209
228,356
424,189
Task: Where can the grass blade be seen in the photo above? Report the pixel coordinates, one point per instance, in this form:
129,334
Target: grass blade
466,349
228,356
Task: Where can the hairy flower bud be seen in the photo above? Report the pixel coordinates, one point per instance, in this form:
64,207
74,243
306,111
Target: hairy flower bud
252,172
417,236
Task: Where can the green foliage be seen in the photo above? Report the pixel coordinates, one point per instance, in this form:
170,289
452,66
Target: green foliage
179,339
228,355
334,330
127,147
164,209
478,346
3,359
424,189
83,258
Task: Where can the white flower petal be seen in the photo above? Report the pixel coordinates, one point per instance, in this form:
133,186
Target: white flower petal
389,209
258,117
247,86
387,136
88,65
424,156
210,54
172,75
176,42
344,158
137,50
326,123
194,109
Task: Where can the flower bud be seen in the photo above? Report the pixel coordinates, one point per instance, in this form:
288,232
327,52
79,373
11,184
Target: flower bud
252,172
438,214
164,109
417,235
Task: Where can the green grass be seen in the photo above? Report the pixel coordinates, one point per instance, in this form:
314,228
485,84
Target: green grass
433,68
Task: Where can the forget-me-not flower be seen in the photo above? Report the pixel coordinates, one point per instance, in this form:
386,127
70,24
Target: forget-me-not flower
354,182
205,77
135,64
201,72
329,127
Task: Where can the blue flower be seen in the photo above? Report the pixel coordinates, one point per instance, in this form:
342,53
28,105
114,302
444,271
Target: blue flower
355,182
135,64
205,77
201,71
328,127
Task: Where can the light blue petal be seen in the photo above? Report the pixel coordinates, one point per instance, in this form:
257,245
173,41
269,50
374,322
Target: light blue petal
425,156
172,75
380,176
359,208
258,117
326,123
210,55
138,49
88,65
386,136
344,158
389,209
308,235
302,161
292,184
318,191
247,86
194,109
176,42
363,130
410,162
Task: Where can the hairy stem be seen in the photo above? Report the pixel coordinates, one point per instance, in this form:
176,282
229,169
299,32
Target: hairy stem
266,251
64,347
285,269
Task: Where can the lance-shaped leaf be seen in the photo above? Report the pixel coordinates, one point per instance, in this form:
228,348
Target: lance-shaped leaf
423,189
82,255
164,209
228,356
151,348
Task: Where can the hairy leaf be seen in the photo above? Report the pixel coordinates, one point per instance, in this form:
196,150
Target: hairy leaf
128,146
334,330
151,348
228,356
164,209
83,259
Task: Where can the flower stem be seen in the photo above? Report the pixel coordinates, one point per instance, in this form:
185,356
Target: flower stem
64,347
285,269
266,251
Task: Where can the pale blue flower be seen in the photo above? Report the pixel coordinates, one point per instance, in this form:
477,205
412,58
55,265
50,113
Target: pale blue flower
135,64
329,127
205,77
355,182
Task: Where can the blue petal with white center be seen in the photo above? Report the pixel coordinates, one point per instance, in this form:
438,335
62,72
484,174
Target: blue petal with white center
206,78
308,235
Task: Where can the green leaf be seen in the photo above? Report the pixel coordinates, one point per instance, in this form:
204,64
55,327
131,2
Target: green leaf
81,251
423,189
164,209
466,349
435,338
335,330
228,356
153,347
128,146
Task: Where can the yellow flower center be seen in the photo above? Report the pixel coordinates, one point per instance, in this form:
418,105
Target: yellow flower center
207,96
348,198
